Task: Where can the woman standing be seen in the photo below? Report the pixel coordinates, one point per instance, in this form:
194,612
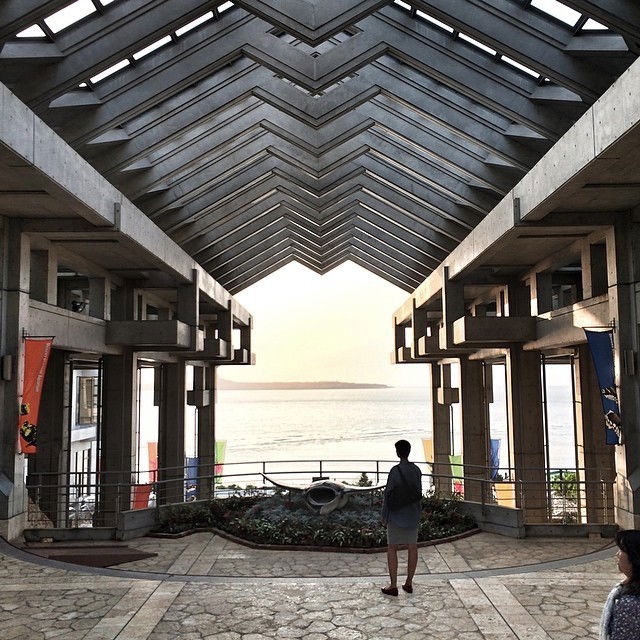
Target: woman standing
621,615
401,512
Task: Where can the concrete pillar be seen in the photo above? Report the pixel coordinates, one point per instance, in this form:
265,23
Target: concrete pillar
100,298
526,431
204,383
452,308
117,435
623,253
541,293
14,315
594,456
594,269
48,468
441,418
171,434
44,276
475,428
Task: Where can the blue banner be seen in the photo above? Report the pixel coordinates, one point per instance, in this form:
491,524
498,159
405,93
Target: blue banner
494,456
601,346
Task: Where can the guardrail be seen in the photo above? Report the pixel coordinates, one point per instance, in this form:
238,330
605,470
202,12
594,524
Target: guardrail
89,499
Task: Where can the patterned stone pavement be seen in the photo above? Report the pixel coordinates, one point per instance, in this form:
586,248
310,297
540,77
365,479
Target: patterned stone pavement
459,594
208,554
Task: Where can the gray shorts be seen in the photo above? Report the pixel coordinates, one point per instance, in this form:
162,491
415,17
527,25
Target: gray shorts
401,535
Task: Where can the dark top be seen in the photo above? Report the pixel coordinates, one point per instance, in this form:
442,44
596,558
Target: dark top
625,619
409,515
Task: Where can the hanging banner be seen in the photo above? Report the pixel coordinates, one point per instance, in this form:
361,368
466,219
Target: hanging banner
494,457
601,346
221,447
36,357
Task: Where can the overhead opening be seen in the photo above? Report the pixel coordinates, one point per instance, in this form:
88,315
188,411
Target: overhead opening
70,15
557,10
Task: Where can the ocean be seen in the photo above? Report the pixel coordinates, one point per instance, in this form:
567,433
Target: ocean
352,424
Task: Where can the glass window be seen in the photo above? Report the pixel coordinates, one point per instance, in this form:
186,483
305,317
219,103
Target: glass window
87,400
69,15
194,23
152,47
557,10
110,71
32,32
475,43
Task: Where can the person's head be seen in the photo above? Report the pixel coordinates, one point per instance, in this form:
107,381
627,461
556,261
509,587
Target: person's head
403,449
628,557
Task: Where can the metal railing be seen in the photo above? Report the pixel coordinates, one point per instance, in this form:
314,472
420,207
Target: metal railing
92,498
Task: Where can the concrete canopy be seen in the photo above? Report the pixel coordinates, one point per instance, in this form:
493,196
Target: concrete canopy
260,132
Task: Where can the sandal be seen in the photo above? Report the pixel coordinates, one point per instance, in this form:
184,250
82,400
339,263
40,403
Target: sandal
390,591
408,588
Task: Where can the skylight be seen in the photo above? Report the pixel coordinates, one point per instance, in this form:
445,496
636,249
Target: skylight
592,25
475,43
152,47
32,32
69,15
442,25
402,4
521,67
110,71
224,6
557,10
194,23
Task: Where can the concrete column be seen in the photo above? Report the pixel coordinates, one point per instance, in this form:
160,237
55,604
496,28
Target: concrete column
594,269
441,418
452,308
49,466
526,431
171,434
124,303
205,379
623,253
594,456
44,276
475,428
541,293
117,434
100,298
14,316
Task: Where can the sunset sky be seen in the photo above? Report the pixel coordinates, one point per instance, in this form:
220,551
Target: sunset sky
333,327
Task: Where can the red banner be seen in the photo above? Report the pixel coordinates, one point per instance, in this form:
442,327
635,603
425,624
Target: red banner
36,357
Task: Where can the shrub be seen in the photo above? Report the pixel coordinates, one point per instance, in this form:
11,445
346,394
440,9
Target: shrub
284,520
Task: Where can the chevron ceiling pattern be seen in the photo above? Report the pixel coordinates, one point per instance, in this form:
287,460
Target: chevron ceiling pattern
257,132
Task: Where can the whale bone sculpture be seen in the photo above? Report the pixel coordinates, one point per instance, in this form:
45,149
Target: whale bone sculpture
325,496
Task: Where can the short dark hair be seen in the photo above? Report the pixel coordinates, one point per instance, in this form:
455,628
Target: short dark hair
403,448
629,542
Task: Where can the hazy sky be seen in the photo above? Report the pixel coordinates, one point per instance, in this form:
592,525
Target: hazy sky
333,327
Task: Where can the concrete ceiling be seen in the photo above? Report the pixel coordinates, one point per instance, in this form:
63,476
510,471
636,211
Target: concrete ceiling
321,132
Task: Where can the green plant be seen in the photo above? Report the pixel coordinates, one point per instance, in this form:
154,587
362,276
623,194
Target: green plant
565,484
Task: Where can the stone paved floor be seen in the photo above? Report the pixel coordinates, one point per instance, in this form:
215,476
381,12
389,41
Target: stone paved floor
465,595
207,554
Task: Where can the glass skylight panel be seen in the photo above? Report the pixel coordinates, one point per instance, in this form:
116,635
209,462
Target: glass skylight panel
152,47
33,31
557,10
69,15
442,25
475,43
592,25
404,5
224,6
104,3
194,23
522,67
110,71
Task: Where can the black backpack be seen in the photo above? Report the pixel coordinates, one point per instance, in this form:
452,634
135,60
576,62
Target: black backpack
401,496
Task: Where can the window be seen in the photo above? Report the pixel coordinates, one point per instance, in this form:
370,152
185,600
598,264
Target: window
87,401
70,15
557,10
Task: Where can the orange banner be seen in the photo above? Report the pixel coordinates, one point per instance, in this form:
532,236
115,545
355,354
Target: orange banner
36,357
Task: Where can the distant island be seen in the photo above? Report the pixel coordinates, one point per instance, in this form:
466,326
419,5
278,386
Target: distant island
333,384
